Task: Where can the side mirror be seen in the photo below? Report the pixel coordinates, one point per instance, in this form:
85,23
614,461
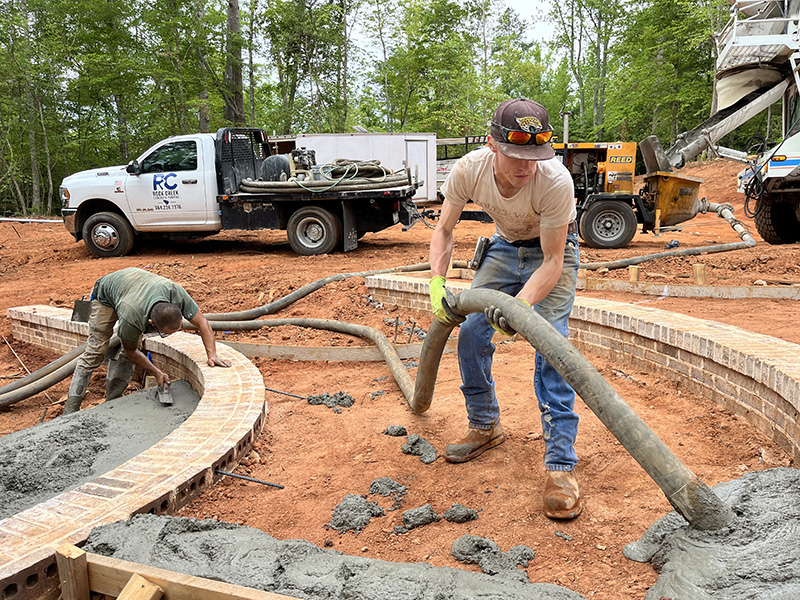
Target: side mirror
133,167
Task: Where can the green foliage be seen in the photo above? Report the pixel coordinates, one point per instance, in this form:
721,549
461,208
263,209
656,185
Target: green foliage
96,82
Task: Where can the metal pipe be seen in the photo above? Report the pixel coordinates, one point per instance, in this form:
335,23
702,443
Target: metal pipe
685,492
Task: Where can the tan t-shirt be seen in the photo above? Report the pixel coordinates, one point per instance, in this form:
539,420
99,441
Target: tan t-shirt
547,200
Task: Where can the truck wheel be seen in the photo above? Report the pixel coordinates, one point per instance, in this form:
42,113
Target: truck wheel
108,234
608,224
777,222
314,230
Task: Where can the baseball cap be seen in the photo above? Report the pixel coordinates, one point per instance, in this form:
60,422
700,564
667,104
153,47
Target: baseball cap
522,130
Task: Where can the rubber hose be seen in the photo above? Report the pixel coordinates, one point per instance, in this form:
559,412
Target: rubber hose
396,365
356,183
281,303
39,383
725,211
45,370
685,492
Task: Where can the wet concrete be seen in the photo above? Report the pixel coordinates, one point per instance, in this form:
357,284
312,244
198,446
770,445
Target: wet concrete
458,513
417,517
756,556
416,445
336,402
491,560
354,513
42,461
250,557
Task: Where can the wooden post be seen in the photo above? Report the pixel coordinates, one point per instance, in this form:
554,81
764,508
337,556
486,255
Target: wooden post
699,274
138,588
633,273
73,572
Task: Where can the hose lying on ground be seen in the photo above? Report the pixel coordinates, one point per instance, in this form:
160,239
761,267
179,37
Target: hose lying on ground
724,211
35,382
56,371
686,493
383,344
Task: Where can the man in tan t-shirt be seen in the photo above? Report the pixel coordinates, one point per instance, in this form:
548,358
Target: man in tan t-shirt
533,256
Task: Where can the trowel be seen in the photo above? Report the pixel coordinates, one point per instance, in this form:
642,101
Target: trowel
165,395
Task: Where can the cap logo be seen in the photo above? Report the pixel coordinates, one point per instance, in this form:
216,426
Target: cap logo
529,123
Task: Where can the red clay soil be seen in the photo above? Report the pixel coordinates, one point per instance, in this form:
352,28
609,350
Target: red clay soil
320,456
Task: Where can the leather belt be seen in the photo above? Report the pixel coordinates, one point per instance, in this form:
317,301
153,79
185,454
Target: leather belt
537,243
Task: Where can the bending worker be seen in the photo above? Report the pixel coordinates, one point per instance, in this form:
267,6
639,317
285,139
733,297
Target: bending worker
142,302
532,256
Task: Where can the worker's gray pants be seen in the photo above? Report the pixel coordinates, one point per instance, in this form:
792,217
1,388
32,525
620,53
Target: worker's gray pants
120,368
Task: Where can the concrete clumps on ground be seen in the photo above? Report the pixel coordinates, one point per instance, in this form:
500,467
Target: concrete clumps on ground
297,568
336,402
416,445
354,513
396,431
491,560
417,517
757,555
45,460
388,487
458,513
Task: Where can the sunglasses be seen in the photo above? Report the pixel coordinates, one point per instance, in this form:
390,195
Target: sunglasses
163,335
524,138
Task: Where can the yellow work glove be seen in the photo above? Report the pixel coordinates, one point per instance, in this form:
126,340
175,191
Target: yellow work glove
496,319
438,294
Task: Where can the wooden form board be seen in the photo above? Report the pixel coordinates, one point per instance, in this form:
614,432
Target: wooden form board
83,572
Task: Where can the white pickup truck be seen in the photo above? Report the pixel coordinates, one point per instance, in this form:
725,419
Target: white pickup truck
203,183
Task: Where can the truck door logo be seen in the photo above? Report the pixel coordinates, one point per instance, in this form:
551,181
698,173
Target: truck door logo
162,181
165,191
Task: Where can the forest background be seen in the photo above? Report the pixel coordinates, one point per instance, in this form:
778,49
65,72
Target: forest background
93,83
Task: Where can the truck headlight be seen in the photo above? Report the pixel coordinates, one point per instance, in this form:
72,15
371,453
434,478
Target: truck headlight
63,193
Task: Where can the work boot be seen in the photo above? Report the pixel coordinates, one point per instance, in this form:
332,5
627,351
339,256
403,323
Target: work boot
77,389
120,372
562,499
474,443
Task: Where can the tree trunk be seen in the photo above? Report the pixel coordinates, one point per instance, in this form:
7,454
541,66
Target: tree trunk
204,112
234,99
36,192
122,127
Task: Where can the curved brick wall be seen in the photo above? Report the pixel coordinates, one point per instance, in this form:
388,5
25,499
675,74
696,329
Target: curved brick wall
168,475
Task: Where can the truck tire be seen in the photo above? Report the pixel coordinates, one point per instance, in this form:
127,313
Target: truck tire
608,224
776,222
314,230
108,234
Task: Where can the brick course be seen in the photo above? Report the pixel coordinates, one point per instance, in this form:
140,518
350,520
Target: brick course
168,475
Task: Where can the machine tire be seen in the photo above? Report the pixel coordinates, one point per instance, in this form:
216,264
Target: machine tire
608,224
314,230
776,222
108,234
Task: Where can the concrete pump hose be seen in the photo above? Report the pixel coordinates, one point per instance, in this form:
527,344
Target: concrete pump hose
383,344
46,377
724,211
45,370
686,493
281,303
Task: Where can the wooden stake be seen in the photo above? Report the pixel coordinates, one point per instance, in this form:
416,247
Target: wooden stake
699,274
73,572
138,588
633,274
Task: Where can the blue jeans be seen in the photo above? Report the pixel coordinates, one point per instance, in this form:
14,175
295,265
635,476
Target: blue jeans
507,268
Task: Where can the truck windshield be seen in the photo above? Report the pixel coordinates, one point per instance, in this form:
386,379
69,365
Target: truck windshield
174,156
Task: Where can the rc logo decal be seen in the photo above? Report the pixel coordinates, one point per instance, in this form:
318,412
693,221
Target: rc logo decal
165,191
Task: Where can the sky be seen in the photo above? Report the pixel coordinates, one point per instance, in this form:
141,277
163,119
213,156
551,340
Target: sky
528,9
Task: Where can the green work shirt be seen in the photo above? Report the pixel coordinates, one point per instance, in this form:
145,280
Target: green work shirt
133,292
